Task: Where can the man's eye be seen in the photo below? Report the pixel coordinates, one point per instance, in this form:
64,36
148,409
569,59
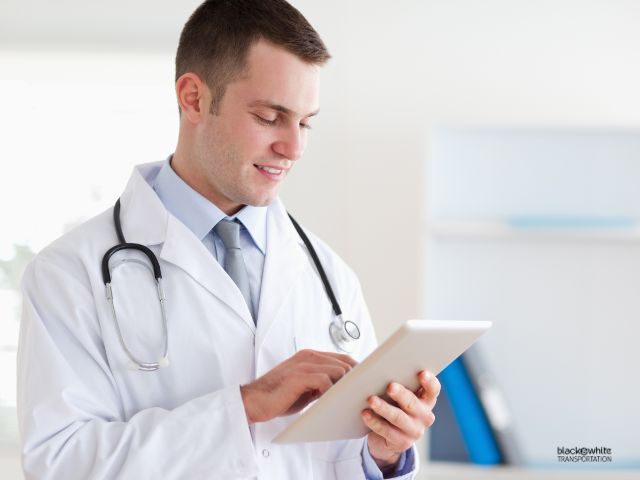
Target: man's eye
305,125
265,121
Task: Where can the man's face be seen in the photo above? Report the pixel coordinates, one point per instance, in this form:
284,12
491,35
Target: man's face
246,150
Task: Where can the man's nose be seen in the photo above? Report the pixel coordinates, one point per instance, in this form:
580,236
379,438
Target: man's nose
291,143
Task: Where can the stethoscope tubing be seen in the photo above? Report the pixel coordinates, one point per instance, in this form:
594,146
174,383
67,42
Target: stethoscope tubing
342,332
316,260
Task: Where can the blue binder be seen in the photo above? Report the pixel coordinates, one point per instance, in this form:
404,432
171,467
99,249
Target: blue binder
476,432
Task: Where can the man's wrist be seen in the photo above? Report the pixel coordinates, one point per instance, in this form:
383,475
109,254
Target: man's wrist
245,393
388,464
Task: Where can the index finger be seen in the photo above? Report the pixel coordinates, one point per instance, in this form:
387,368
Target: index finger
342,356
336,356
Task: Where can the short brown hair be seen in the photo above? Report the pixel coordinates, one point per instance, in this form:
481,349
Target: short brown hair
216,39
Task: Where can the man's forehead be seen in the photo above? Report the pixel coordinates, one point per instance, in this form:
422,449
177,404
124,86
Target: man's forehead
278,80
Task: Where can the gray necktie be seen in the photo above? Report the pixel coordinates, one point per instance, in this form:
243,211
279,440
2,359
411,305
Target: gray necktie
229,232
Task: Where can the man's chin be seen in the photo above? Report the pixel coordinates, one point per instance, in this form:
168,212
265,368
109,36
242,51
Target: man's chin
262,202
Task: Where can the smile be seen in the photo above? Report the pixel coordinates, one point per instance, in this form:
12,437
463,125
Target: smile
275,171
272,173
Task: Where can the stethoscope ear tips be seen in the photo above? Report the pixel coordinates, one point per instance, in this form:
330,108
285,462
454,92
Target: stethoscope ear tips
163,362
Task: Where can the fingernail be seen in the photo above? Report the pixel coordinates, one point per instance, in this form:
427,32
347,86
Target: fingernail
426,376
374,402
393,388
366,415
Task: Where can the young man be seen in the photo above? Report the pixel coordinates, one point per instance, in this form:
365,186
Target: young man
247,315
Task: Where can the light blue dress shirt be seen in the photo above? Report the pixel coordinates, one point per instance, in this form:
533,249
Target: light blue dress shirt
200,216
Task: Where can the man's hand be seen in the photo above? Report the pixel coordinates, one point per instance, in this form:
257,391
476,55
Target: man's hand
293,384
396,427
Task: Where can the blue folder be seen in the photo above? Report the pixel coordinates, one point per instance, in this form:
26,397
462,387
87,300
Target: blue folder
477,435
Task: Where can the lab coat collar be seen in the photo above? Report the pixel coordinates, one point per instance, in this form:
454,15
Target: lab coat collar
142,214
145,220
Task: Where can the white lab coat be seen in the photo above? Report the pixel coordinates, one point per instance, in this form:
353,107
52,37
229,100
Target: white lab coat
83,414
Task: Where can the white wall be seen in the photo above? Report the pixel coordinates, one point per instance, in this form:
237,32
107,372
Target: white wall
401,68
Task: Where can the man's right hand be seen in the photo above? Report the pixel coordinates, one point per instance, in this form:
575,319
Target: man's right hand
293,384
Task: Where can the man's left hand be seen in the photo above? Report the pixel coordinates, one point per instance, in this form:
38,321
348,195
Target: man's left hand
395,428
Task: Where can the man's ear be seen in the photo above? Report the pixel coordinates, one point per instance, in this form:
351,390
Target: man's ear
192,94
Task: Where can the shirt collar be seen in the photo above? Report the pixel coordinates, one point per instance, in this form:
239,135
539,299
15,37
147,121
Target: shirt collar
199,214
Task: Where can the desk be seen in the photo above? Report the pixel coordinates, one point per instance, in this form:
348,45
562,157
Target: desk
451,471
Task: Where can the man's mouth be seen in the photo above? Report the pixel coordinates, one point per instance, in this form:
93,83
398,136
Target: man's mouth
271,170
272,173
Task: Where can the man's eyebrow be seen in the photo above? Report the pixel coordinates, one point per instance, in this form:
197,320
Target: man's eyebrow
280,108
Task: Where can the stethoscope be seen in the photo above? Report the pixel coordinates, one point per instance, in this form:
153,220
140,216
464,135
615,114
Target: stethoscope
343,332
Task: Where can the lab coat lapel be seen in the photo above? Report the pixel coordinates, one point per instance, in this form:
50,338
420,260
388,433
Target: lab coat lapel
145,220
183,249
283,265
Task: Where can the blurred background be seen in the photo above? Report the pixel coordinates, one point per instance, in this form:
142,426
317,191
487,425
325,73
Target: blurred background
498,140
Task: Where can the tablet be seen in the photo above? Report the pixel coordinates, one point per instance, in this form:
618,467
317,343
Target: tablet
417,345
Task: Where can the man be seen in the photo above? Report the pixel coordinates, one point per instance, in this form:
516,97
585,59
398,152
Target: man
247,315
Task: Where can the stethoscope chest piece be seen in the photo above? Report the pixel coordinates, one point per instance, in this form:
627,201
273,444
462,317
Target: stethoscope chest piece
344,333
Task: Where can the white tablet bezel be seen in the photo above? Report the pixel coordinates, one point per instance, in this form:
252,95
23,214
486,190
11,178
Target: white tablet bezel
417,345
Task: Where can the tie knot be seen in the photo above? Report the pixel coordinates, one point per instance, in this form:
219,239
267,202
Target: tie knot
229,233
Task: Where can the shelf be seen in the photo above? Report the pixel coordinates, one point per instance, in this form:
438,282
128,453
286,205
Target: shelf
505,230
